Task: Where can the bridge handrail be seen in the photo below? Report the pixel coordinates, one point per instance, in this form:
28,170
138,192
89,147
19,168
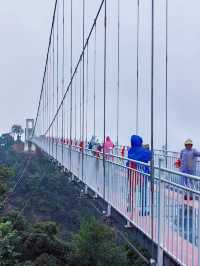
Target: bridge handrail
163,169
137,162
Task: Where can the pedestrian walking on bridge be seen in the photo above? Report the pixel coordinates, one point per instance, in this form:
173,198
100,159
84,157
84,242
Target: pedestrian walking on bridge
138,179
188,162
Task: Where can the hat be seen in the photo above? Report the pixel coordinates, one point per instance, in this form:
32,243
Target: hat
188,142
146,146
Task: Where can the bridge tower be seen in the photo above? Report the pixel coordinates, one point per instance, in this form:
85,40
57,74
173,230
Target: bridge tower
28,134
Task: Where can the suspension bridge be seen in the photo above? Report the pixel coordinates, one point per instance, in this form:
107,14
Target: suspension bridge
79,99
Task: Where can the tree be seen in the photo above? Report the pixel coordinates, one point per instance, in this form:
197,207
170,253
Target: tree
5,174
48,228
95,245
8,238
17,130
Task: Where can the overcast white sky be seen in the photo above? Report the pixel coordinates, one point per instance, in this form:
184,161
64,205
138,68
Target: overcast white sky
24,31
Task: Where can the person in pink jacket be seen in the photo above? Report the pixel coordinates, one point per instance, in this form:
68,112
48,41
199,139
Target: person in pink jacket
108,145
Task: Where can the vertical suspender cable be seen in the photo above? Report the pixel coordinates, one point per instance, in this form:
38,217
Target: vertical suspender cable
46,122
47,84
83,92
46,101
49,101
44,97
57,76
75,106
71,85
80,89
53,101
137,97
104,104
87,92
44,105
63,72
95,55
152,119
166,85
43,111
53,87
118,69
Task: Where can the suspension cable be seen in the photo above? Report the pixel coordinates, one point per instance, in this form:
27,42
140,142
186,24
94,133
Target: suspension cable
71,96
75,107
87,92
118,70
42,89
63,72
80,101
57,77
53,86
138,36
95,55
83,92
104,101
50,59
49,98
43,106
166,84
77,65
152,120
46,122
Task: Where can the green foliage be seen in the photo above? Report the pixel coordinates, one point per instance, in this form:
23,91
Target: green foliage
94,245
48,228
47,260
27,246
51,199
8,239
6,172
3,189
134,259
18,222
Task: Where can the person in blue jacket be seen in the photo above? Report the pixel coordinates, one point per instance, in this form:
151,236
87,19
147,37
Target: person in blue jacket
139,153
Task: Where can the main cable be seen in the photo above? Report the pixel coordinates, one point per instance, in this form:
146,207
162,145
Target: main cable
77,65
42,89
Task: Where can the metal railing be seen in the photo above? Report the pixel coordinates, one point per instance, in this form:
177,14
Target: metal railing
171,218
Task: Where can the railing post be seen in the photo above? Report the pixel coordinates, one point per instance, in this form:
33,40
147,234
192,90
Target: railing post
86,189
160,216
128,224
95,195
108,214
